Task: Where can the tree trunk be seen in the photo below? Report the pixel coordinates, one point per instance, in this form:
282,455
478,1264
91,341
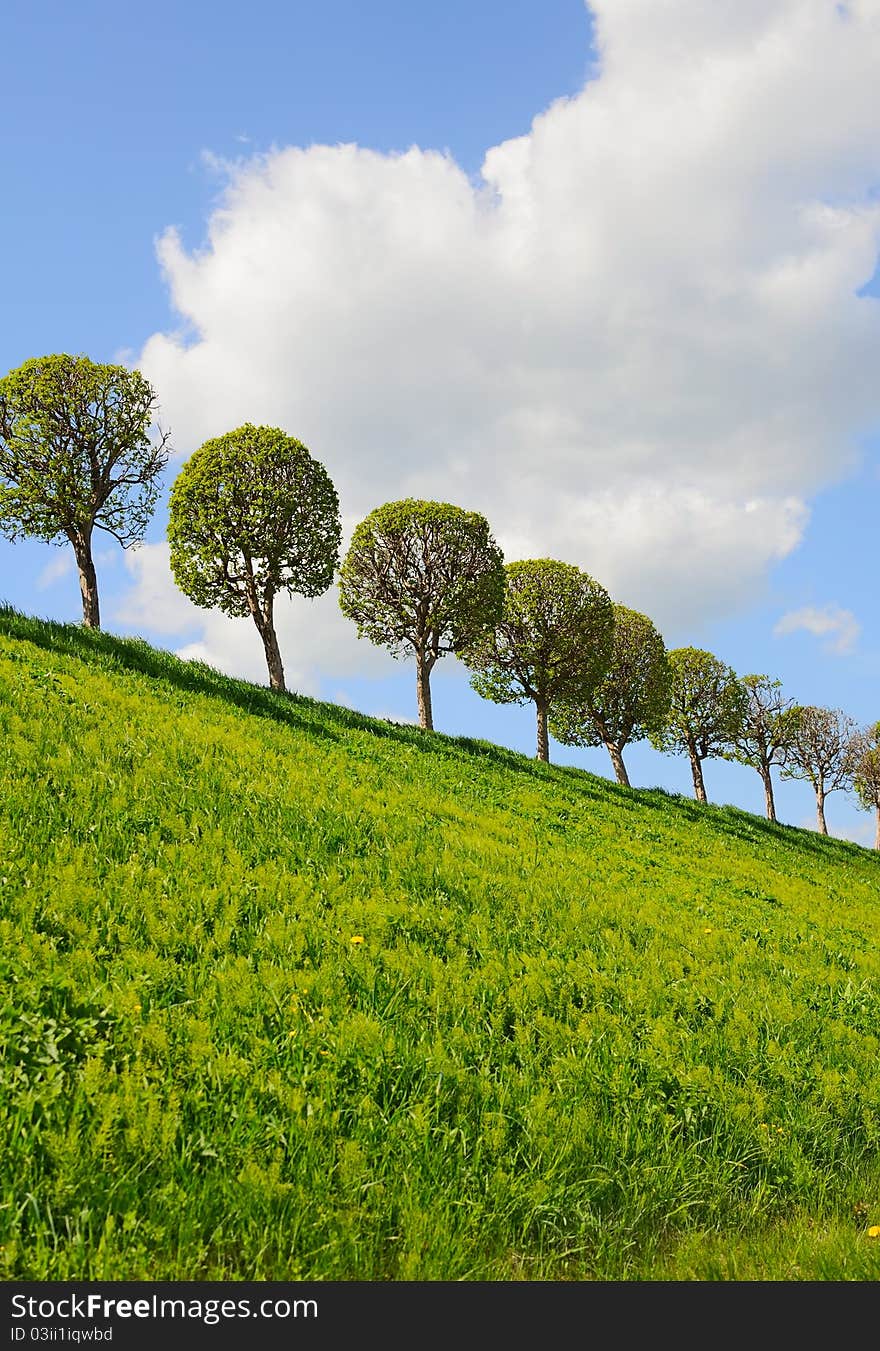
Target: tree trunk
423,691
264,620
543,738
88,581
877,838
820,811
273,658
617,761
767,781
697,774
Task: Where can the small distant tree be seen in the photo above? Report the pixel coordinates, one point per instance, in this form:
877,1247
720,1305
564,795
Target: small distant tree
765,738
76,456
866,773
552,644
823,752
251,514
630,701
706,710
422,577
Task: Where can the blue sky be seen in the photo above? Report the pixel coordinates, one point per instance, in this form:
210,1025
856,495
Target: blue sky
108,110
693,420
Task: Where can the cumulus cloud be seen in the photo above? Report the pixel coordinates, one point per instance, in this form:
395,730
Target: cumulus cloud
313,635
61,566
635,343
838,627
857,831
647,546
863,833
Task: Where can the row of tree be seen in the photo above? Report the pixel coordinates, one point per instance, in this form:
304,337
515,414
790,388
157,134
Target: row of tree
252,514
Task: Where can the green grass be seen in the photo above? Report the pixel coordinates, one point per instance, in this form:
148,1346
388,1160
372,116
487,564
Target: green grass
590,1033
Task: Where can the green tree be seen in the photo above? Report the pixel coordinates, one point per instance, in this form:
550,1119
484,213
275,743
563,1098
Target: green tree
630,701
765,737
823,752
705,712
251,514
866,773
552,643
76,456
422,577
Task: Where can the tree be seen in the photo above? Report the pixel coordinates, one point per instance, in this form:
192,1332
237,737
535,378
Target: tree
631,700
552,642
823,752
705,712
76,456
765,738
425,577
866,773
251,513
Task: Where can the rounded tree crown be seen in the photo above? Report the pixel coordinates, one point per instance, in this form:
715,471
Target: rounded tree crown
553,639
866,768
252,513
631,700
422,575
75,449
824,746
413,515
707,704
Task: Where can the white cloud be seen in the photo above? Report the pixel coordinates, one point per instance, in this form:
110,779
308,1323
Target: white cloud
669,551
313,635
636,345
398,719
864,833
62,565
154,602
838,627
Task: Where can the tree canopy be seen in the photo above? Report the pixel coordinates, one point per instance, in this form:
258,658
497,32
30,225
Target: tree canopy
765,736
252,514
823,752
76,456
629,702
706,710
553,641
866,772
422,577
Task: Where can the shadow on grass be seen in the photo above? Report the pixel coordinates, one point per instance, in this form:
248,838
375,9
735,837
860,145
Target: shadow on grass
311,717
109,652
738,824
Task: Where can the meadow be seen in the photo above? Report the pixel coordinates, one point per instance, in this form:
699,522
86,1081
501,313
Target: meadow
290,993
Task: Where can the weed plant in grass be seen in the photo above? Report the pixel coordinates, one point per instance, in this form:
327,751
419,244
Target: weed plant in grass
289,993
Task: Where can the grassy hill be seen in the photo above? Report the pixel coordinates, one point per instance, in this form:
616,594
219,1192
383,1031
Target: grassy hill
290,993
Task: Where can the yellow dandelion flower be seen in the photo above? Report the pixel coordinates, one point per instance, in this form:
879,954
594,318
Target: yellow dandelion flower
874,1231
707,931
357,938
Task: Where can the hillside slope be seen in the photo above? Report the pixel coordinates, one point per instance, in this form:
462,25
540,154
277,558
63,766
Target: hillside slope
291,993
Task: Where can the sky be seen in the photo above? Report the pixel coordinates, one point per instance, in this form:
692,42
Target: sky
606,273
